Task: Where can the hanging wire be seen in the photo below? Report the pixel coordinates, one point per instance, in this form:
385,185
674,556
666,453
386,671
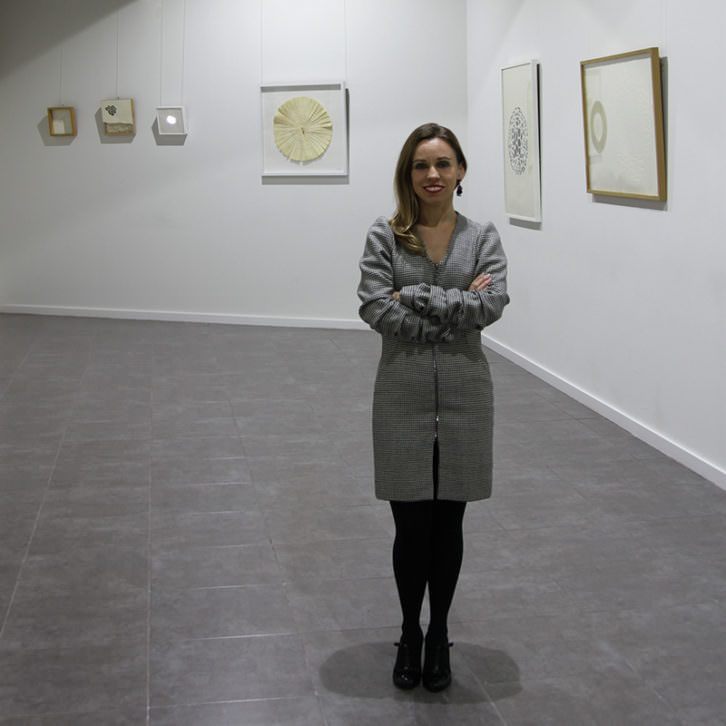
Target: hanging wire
118,14
262,40
184,44
60,77
161,53
162,48
345,41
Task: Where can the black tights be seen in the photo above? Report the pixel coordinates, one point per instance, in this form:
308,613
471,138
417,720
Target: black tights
428,549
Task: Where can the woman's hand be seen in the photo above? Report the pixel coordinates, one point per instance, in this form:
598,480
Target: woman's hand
480,282
396,296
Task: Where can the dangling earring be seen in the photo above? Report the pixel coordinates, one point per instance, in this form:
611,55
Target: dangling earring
459,190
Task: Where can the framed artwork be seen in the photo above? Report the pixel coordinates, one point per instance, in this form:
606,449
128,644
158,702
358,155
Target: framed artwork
304,129
117,116
170,121
622,108
520,125
62,120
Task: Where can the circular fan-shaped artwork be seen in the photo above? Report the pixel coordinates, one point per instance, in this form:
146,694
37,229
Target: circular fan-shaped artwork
517,141
302,129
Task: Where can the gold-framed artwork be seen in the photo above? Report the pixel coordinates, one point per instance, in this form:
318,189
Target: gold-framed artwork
62,121
117,116
622,106
520,126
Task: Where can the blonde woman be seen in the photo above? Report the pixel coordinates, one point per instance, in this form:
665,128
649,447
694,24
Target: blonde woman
431,280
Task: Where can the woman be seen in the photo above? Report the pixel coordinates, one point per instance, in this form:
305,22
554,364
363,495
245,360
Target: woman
431,280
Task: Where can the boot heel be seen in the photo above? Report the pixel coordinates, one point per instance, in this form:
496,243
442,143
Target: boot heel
437,668
407,670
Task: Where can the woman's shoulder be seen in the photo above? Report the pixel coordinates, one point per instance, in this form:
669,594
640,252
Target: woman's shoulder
477,229
381,231
382,224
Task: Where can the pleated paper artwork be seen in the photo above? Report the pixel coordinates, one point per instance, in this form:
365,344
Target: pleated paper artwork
302,128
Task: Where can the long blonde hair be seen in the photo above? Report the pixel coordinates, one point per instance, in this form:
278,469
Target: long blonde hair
407,211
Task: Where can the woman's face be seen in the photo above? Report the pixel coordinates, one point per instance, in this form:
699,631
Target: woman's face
435,173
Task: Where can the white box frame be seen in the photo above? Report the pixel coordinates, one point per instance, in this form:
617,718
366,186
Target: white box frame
520,107
334,161
162,111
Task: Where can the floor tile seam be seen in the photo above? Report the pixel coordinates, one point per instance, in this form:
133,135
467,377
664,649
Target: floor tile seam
490,700
300,541
175,641
323,542
514,529
261,699
661,694
161,485
166,549
57,714
299,584
149,579
204,512
26,553
109,647
165,591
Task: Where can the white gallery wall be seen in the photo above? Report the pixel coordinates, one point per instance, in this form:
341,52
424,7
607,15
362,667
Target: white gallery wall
136,228
621,304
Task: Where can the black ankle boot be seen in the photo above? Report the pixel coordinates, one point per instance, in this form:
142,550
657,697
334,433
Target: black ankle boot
407,670
437,670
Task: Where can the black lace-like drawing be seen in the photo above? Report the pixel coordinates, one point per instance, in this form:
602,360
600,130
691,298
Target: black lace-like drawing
517,141
111,110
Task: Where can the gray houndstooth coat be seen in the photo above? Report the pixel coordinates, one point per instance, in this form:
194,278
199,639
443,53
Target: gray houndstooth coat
433,381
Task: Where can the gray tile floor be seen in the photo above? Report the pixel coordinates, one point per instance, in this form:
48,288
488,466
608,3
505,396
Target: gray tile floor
188,537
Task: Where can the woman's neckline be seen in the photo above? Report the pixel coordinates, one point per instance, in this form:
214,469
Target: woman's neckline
449,244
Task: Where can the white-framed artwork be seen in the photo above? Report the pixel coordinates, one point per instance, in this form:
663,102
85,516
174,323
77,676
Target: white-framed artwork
304,129
622,108
171,121
520,131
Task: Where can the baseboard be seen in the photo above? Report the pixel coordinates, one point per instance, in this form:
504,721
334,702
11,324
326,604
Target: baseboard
658,441
184,317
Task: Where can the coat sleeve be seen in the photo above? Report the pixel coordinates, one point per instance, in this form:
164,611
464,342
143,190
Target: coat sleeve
463,309
378,308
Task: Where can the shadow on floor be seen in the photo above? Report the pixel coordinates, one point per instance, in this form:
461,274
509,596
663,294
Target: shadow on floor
342,673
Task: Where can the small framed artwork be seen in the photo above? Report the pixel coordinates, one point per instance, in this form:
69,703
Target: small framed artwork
62,120
117,116
171,121
304,129
520,125
622,108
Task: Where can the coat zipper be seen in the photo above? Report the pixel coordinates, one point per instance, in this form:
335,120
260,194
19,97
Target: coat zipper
436,375
434,351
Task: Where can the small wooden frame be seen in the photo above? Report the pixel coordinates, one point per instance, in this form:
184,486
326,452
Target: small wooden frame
622,106
62,121
117,116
